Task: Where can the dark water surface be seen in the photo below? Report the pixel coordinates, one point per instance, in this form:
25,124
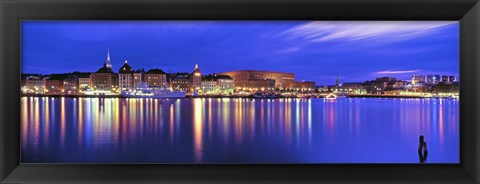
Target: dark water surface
223,130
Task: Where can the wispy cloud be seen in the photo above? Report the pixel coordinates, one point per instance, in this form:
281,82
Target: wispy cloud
397,71
385,31
407,50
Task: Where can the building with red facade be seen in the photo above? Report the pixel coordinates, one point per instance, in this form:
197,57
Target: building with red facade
260,79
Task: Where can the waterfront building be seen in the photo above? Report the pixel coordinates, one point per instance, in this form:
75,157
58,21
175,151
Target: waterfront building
353,87
259,79
104,79
180,83
126,77
444,79
217,84
397,85
383,84
225,84
447,79
422,79
323,89
301,86
418,79
71,85
54,84
259,85
420,88
452,79
196,79
155,78
137,79
414,79
209,86
172,76
378,87
23,80
83,80
433,79
34,85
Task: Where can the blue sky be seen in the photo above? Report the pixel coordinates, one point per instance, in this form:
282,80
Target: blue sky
314,51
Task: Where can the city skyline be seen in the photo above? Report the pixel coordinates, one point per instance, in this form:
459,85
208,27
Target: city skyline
287,46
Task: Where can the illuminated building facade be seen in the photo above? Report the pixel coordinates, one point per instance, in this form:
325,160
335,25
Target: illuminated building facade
259,79
125,77
70,84
445,79
217,84
84,81
180,83
155,78
34,85
225,84
137,79
452,78
448,79
259,85
196,79
433,79
54,84
353,87
208,87
418,79
378,87
103,79
301,86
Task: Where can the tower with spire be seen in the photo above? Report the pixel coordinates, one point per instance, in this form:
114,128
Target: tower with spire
108,63
337,83
196,79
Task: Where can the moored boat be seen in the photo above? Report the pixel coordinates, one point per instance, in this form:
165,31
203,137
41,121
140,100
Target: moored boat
333,96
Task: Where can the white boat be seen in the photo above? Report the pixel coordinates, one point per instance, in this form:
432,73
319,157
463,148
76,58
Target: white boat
153,92
333,96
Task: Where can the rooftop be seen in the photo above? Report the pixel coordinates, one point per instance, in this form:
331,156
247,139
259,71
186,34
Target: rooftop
104,69
126,68
155,71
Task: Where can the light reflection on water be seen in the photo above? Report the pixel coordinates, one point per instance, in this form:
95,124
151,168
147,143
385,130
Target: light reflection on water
224,130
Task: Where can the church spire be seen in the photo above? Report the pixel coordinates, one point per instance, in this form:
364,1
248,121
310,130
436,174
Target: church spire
108,63
196,66
337,83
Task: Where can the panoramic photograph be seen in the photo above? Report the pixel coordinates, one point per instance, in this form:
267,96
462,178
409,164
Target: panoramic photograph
242,92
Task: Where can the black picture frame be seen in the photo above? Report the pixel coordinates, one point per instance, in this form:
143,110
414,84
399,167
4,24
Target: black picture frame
13,11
